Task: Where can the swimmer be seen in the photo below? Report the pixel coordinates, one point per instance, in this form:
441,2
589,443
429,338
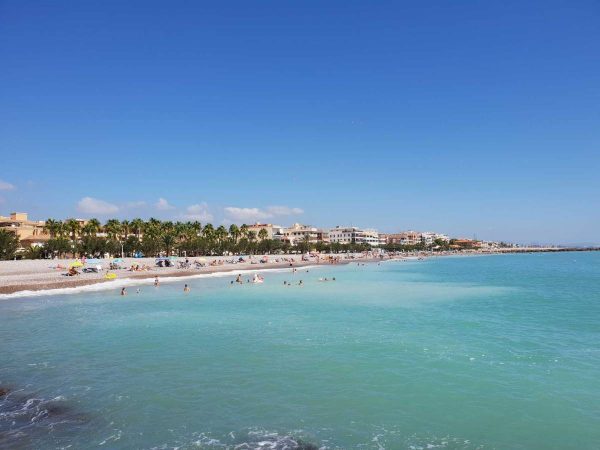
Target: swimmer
137,291
284,283
123,291
333,279
300,283
186,289
156,282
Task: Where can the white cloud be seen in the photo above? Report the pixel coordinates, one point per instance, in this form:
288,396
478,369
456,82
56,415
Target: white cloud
163,205
137,204
199,212
246,214
256,214
91,205
284,211
6,186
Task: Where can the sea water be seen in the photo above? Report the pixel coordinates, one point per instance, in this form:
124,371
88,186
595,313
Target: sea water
454,352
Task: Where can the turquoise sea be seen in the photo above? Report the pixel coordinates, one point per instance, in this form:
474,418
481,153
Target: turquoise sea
490,352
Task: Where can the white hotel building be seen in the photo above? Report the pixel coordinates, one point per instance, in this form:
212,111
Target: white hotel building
348,235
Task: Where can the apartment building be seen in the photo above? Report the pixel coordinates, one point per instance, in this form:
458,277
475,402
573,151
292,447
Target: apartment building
298,233
29,232
348,235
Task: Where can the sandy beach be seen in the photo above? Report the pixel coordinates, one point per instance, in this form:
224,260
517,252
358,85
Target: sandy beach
48,274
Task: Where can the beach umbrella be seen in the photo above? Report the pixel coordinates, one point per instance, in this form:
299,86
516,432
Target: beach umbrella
76,264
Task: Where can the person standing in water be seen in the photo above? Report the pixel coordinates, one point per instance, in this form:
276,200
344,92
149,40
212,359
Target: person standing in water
156,282
186,289
123,291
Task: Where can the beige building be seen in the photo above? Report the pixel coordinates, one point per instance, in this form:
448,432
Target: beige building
298,233
404,238
271,229
29,232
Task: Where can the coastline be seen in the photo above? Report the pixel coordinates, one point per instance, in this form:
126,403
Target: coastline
25,278
40,277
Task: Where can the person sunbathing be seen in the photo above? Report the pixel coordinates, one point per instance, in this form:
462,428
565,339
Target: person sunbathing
72,272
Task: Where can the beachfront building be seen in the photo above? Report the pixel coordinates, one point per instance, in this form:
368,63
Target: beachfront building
30,232
415,237
464,243
430,237
489,245
404,238
301,233
370,237
350,235
273,231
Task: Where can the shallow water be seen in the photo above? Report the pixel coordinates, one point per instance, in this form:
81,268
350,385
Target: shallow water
478,352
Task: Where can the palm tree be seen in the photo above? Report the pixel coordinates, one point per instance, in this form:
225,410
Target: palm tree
221,233
208,231
234,232
152,227
125,229
95,225
137,225
112,228
9,243
168,239
263,234
196,228
244,230
73,227
91,227
53,227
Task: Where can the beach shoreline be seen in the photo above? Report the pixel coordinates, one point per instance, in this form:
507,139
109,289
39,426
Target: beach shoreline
31,277
23,277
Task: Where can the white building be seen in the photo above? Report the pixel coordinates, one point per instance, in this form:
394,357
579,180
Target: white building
300,233
348,235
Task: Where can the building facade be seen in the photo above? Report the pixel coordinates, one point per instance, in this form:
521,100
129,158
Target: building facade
301,233
354,235
272,230
29,232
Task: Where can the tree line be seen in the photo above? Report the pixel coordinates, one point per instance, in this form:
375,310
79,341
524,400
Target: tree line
154,237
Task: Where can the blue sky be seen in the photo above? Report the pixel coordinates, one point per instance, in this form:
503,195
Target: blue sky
471,118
